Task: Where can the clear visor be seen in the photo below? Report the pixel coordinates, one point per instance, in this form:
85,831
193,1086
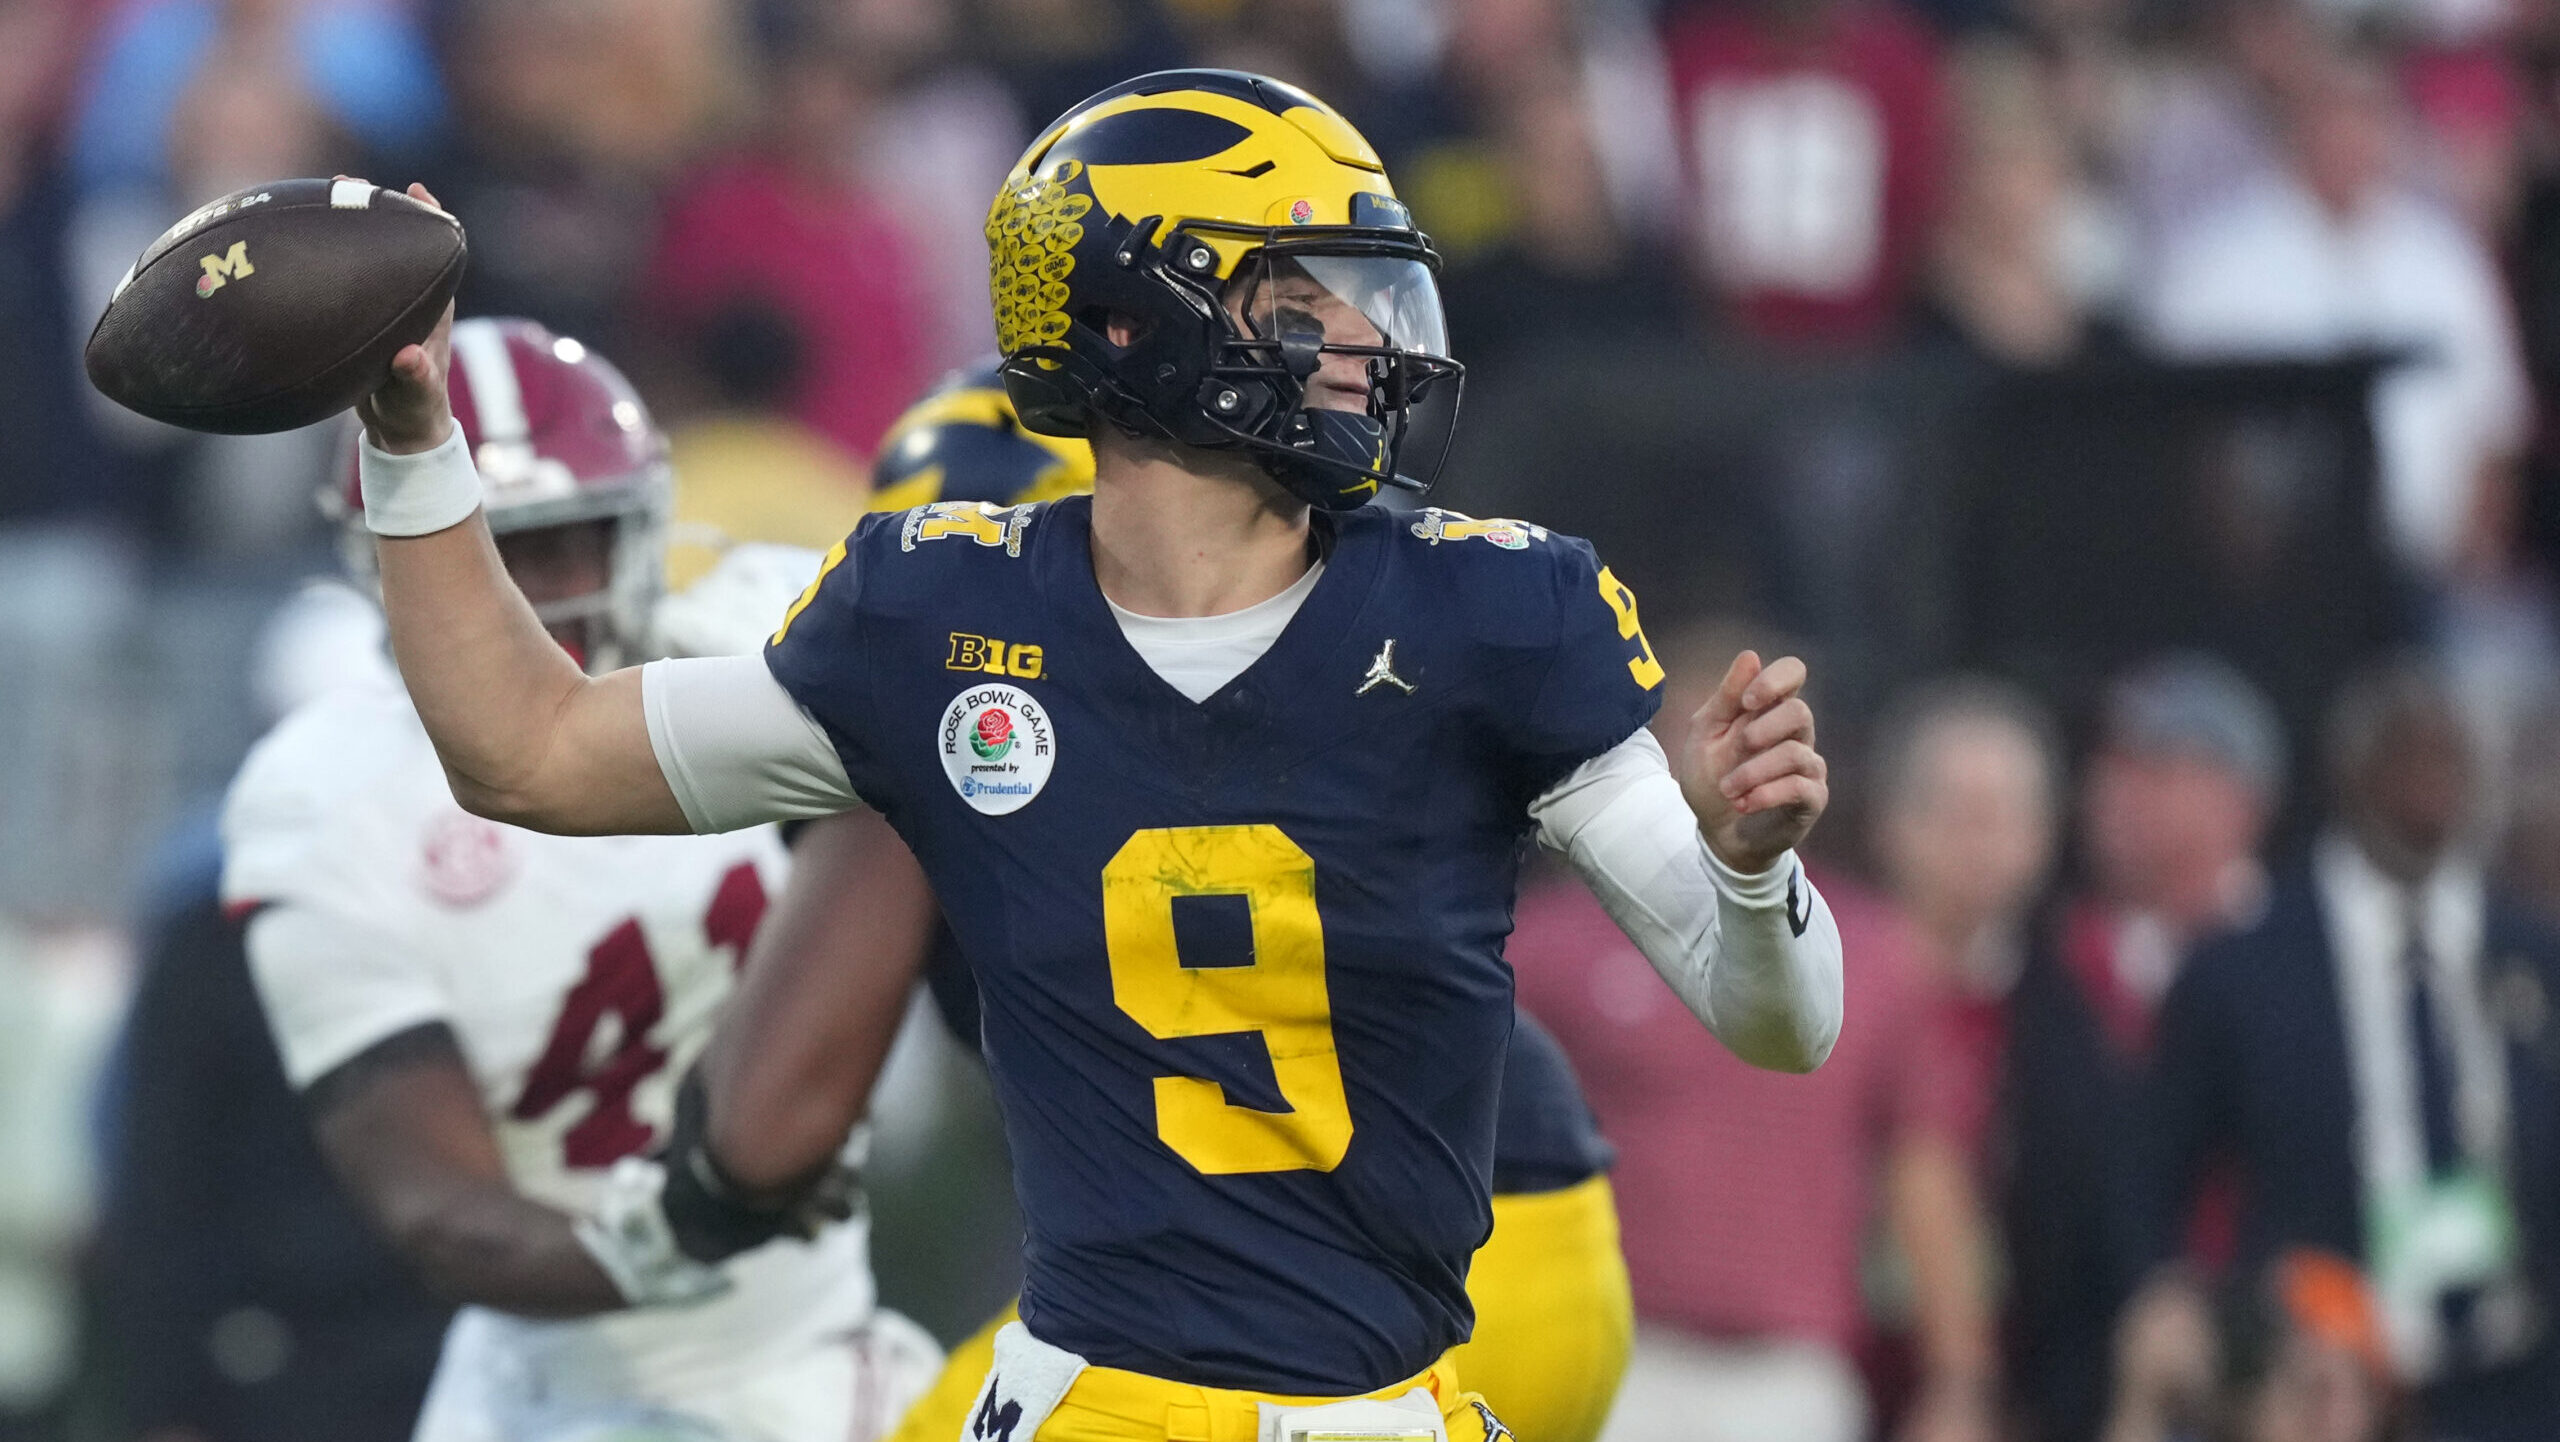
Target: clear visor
1353,301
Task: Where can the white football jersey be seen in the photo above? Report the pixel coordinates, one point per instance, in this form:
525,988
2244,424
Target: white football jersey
579,975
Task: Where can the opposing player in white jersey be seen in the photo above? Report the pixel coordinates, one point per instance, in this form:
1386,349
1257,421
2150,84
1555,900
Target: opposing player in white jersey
490,1025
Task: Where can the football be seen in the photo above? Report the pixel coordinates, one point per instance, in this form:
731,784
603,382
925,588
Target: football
276,306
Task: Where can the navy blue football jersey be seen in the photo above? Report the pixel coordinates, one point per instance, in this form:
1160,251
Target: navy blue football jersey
1544,1136
1240,960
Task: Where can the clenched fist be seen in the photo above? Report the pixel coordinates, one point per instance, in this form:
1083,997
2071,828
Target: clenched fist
1749,767
410,412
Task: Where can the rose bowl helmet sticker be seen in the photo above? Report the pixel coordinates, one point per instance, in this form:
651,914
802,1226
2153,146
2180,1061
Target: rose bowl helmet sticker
997,747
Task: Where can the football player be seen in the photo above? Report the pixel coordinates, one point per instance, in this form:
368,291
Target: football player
487,1023
1554,1317
1221,775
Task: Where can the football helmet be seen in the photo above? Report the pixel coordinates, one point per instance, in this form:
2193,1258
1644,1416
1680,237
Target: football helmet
963,442
1246,232
560,439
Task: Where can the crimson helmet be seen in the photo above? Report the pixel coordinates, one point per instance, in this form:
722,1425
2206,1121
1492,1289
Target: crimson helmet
560,439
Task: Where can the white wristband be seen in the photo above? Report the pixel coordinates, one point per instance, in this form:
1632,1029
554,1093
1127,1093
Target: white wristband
417,495
1759,891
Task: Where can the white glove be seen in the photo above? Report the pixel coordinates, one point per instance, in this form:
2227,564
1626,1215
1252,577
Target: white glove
629,1237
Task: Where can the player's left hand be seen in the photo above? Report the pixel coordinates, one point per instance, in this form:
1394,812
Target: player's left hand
1749,767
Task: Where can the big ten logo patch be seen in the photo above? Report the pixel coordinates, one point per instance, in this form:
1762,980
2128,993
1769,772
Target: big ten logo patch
994,657
220,270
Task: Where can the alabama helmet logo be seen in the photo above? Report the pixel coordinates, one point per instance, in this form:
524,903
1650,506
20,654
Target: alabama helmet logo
997,747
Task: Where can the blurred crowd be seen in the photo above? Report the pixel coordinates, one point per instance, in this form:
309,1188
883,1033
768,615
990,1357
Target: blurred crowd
2145,415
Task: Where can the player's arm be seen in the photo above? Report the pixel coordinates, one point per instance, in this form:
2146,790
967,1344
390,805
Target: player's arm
790,1069
1699,870
360,1022
401,1125
525,736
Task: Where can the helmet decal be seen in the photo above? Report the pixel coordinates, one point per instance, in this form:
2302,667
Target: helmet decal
1150,137
1032,234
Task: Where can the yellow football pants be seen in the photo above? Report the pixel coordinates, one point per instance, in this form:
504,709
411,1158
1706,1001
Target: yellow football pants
1554,1323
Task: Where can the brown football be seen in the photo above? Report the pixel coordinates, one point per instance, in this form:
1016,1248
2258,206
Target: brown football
275,307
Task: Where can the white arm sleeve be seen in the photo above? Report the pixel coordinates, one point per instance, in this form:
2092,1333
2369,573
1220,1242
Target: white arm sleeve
1757,958
736,749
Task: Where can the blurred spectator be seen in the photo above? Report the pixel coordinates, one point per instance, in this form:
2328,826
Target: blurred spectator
2021,246
1749,1329
1563,267
361,64
56,464
2174,801
782,229
2331,254
186,102
2469,106
933,149
1973,758
570,117
2183,121
2293,1354
1054,53
2374,1059
1812,130
1969,757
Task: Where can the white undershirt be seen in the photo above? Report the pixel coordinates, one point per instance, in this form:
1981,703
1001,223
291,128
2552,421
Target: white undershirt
737,750
1196,655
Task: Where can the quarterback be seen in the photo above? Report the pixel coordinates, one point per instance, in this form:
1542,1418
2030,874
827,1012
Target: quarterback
1554,1319
487,1023
1221,774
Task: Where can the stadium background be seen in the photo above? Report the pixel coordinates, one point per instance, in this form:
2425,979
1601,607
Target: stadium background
1900,331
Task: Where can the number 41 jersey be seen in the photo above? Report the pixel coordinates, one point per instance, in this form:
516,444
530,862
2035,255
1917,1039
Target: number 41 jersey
579,976
1244,996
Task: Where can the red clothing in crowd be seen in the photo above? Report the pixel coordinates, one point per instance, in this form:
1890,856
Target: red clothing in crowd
1811,146
1743,1195
819,255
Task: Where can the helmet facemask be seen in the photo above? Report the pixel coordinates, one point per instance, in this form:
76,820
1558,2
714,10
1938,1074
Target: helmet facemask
608,627
1336,355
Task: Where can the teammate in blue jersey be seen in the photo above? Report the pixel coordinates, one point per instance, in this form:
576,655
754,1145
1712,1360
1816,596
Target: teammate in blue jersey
1221,774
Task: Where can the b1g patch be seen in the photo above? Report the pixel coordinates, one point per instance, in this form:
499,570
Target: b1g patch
997,748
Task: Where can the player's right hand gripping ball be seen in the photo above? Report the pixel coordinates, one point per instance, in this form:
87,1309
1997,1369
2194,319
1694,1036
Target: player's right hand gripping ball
275,307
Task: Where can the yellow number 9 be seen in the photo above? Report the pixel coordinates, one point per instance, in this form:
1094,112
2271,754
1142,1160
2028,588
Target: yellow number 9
1280,995
1642,666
